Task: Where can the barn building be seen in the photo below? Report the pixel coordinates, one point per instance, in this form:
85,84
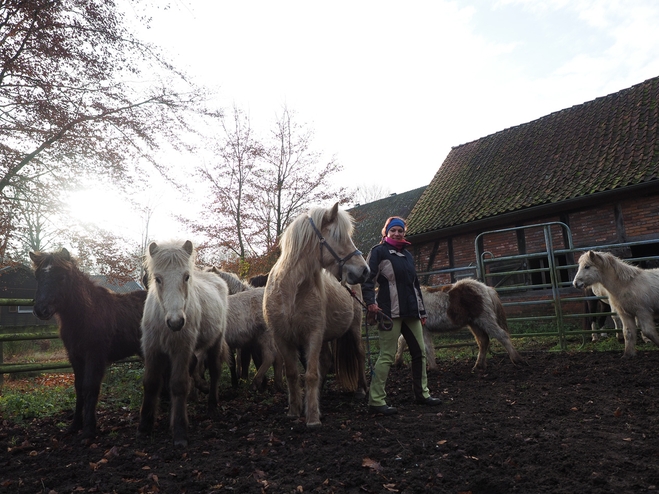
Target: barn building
591,171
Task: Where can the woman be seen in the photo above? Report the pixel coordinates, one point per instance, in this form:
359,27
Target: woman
399,297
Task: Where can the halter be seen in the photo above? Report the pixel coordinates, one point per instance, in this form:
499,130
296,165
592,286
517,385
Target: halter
323,243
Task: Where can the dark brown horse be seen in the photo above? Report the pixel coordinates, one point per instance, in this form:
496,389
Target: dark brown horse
97,326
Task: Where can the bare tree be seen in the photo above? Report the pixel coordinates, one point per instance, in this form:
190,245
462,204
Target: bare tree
74,101
366,193
295,177
228,220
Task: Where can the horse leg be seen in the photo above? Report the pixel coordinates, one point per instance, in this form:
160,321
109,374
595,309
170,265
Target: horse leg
152,382
402,345
483,341
629,330
362,387
245,354
78,379
179,385
646,323
312,378
289,355
501,335
232,363
91,388
278,368
214,359
430,349
268,354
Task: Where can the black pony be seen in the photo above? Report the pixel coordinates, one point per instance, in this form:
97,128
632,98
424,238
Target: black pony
97,326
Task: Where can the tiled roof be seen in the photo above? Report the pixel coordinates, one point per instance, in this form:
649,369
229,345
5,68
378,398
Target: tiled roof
369,218
604,144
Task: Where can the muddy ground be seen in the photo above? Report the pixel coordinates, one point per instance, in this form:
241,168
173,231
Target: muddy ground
567,423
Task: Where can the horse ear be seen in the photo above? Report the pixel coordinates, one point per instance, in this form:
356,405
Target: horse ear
330,216
594,257
34,257
65,254
153,248
187,246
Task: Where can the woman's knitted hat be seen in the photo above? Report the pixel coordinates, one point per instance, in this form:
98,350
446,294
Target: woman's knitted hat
393,221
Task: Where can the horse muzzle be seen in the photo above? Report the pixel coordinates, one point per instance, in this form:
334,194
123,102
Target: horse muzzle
176,323
579,284
357,275
43,311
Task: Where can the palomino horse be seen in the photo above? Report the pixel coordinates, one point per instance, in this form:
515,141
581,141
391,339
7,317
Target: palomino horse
467,303
184,313
97,326
633,293
307,306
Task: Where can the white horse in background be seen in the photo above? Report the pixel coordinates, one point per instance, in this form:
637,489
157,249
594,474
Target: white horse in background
185,313
633,293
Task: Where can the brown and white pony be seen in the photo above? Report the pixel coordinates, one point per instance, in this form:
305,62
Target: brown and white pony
96,325
633,293
306,305
467,303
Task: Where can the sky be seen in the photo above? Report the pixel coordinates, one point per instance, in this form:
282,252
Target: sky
390,87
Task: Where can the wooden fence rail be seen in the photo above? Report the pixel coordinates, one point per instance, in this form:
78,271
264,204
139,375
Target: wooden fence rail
26,333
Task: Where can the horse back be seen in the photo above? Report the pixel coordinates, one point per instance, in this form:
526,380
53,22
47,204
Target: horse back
104,325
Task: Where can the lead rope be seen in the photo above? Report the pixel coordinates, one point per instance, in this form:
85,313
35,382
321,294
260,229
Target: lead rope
385,322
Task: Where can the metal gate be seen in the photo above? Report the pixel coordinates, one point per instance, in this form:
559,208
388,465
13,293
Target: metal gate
537,285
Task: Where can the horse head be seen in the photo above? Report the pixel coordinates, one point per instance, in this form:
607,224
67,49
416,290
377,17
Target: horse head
170,267
588,273
344,261
53,274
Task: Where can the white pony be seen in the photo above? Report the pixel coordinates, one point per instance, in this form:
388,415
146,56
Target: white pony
306,306
633,293
184,313
467,303
246,328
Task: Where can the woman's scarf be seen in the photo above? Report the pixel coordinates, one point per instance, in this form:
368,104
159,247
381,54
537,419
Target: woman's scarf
399,244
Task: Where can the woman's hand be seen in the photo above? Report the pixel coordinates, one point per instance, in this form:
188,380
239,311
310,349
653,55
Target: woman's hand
423,321
373,308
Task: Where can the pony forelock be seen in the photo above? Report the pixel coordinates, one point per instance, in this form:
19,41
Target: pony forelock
55,259
170,255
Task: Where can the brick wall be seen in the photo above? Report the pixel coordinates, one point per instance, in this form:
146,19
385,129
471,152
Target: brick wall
593,226
641,218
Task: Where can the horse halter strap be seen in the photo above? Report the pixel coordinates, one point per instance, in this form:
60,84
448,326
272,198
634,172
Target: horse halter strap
323,243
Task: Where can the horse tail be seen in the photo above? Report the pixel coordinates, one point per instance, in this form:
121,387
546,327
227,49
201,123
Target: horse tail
502,320
346,362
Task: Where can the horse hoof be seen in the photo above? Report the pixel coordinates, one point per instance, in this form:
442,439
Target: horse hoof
314,425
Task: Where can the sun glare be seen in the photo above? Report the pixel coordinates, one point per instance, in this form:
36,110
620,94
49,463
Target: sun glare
101,208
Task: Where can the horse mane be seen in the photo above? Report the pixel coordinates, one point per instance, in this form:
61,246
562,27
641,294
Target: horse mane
233,281
169,255
624,271
300,237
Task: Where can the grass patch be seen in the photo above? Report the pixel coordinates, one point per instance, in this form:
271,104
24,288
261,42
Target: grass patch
20,405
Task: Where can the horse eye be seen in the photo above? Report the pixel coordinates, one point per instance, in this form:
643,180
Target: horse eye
187,277
158,280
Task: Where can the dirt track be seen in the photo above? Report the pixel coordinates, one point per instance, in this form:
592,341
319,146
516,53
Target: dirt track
567,423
